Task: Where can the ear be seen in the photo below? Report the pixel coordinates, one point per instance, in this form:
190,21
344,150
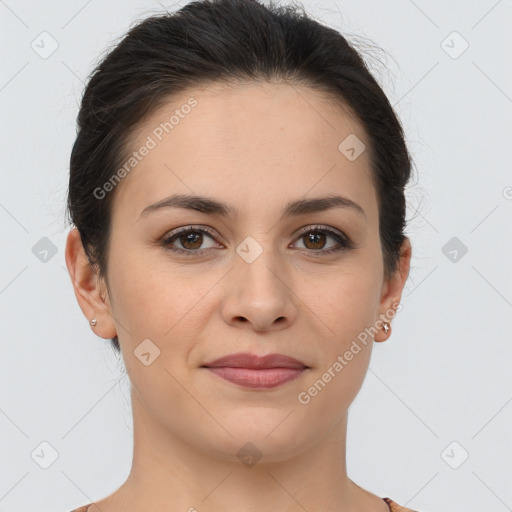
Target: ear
90,291
392,291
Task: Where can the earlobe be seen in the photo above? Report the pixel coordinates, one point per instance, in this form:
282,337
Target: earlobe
384,333
89,290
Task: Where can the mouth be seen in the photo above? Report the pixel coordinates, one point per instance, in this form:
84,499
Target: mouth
252,371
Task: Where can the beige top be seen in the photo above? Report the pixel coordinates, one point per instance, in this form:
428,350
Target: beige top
393,507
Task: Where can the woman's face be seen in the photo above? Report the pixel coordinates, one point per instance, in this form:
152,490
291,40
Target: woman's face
252,282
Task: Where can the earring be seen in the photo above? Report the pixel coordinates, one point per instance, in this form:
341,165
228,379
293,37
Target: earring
93,322
386,327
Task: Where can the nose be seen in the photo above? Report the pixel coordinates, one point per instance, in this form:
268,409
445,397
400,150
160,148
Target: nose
258,296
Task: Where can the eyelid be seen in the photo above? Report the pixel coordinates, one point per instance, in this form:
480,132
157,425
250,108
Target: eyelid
192,227
321,227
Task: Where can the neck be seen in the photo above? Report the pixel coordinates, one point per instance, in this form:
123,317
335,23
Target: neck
169,474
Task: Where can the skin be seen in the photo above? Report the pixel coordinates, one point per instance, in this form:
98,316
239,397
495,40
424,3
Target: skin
256,147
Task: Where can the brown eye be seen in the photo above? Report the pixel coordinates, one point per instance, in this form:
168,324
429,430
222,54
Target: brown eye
314,240
192,240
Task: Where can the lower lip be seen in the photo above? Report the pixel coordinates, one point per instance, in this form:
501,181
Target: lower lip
251,378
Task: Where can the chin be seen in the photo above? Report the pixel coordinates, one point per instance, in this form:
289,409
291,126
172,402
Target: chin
267,440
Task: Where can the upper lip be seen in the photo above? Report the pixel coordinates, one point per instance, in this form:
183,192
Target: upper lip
247,360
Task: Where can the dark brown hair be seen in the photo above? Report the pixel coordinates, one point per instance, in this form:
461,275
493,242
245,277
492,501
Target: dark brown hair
225,41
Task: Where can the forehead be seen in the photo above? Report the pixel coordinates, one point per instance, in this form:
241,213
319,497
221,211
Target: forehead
250,139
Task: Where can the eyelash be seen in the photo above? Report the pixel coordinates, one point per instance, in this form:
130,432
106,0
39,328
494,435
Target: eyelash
344,243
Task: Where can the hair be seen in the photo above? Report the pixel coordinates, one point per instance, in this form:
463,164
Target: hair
225,41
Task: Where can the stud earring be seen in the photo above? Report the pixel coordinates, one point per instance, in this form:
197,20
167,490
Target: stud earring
386,327
93,322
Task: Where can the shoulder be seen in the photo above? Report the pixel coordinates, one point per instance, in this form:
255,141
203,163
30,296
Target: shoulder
81,509
395,507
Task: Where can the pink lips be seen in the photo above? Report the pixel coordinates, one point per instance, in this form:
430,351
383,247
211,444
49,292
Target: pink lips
257,372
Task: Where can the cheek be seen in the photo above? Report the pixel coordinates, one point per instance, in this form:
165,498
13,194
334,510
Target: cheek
346,304
156,299
346,310
344,299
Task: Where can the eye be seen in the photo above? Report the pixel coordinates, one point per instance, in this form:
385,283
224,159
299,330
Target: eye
190,238
190,241
314,239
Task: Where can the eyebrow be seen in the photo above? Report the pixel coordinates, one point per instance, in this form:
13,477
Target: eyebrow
213,207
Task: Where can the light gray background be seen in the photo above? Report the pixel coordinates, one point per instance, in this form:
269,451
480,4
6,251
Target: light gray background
445,374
